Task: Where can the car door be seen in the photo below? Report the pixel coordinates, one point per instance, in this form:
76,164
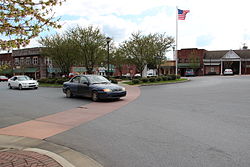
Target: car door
74,85
83,87
14,82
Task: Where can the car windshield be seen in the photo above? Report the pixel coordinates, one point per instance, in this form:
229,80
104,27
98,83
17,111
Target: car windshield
23,78
95,79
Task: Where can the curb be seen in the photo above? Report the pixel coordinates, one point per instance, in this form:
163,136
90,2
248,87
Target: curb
66,157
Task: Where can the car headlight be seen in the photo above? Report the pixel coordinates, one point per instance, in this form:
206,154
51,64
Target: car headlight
123,89
107,90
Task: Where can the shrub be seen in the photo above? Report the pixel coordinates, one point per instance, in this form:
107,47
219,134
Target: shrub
158,79
144,80
164,78
43,80
152,79
61,80
172,77
178,76
135,81
113,80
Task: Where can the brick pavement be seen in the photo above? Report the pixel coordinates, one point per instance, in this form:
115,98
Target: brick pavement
20,158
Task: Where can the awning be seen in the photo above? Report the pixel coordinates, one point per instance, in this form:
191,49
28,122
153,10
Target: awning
54,70
6,71
211,64
25,70
188,65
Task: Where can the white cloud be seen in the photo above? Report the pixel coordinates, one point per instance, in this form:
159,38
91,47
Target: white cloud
224,23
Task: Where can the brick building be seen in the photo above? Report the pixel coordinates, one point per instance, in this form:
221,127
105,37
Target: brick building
30,62
213,62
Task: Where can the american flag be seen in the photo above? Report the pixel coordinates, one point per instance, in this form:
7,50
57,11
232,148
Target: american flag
182,14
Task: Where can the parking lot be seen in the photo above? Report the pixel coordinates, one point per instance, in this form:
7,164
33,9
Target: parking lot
18,106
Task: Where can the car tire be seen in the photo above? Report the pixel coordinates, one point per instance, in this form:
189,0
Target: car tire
20,87
95,97
35,87
10,87
69,93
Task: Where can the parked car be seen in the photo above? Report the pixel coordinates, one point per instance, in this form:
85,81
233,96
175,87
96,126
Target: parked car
228,72
189,72
3,78
22,82
137,75
95,87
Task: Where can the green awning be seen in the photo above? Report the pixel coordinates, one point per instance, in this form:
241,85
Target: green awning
6,71
54,70
79,69
25,70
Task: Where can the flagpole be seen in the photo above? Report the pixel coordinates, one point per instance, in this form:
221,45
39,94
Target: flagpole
176,43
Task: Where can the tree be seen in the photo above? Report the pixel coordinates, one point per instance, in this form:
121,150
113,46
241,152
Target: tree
90,44
4,67
21,20
119,59
161,44
61,49
137,49
147,49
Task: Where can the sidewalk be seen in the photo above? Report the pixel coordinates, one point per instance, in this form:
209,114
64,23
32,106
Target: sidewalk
27,152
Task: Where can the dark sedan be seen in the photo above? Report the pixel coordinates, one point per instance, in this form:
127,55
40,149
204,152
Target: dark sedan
94,86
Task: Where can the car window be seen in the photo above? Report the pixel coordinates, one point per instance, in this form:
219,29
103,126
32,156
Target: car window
83,80
23,78
95,79
76,79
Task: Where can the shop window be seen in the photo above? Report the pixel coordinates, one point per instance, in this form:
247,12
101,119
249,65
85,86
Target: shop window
35,60
16,61
212,69
28,60
22,61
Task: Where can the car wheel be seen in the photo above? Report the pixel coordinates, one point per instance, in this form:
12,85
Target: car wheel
95,96
35,87
20,87
10,87
68,93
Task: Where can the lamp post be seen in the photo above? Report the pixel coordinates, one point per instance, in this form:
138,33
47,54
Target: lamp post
108,39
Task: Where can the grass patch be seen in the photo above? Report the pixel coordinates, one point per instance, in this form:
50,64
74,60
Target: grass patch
156,82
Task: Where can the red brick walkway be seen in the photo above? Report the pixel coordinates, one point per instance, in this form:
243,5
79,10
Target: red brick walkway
18,158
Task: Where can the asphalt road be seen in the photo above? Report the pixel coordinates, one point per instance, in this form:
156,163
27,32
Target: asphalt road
201,123
18,106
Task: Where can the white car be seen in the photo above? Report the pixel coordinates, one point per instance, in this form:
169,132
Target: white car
22,82
228,72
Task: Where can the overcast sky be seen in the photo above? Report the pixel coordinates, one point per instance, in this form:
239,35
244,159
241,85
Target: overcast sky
210,25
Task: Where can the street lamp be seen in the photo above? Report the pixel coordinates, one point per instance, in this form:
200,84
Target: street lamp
108,39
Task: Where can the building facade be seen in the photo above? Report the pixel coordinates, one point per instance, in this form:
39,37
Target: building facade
29,62
213,62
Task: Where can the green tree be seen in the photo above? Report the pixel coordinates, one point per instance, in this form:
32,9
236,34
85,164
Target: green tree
137,48
61,49
160,45
21,20
119,59
4,67
90,44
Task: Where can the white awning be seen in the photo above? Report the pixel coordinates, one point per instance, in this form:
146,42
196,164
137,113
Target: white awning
211,64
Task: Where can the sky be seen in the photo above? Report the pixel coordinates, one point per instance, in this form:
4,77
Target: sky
210,25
